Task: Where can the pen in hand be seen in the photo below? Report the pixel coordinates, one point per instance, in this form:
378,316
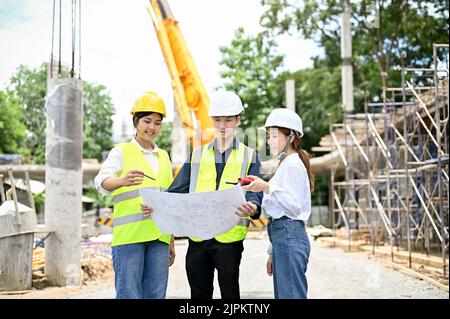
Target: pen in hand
149,177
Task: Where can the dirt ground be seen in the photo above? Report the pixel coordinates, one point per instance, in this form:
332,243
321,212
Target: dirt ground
332,273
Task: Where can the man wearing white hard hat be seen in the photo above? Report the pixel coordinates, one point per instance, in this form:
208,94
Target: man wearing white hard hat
287,205
213,167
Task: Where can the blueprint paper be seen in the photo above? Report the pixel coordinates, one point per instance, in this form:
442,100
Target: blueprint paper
199,215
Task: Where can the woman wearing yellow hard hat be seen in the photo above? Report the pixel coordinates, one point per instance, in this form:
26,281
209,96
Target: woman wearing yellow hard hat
141,253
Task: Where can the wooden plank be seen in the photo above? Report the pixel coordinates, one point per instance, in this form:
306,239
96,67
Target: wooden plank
419,258
18,292
321,149
355,245
415,274
341,153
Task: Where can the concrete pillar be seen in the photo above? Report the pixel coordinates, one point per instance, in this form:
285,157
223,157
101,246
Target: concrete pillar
290,95
63,180
346,55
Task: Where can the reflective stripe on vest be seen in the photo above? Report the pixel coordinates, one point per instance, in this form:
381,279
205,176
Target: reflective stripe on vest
240,230
131,194
246,161
243,222
135,217
129,224
195,167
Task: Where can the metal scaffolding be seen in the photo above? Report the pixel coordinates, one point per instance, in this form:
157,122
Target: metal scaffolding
395,182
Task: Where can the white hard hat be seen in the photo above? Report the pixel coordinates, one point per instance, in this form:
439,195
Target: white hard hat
225,103
285,118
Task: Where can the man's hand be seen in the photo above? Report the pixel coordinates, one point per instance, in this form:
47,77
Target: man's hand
247,209
171,251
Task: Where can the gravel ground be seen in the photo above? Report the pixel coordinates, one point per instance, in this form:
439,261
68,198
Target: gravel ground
332,273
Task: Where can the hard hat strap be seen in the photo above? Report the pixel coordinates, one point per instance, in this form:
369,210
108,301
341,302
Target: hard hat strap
282,155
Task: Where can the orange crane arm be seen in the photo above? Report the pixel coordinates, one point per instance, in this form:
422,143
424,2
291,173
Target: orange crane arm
190,93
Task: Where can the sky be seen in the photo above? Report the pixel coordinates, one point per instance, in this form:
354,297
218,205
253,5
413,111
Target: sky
119,47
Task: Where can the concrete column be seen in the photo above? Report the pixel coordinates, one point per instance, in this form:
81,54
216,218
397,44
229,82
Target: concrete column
346,55
290,95
63,180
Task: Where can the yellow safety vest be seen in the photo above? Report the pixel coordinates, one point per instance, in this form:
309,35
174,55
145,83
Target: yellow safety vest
129,224
203,179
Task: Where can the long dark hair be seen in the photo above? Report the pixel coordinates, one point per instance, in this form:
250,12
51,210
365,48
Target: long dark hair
304,155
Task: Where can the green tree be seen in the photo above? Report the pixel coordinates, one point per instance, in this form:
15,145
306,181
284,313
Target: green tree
11,127
251,70
103,201
317,96
164,138
28,87
404,28
97,124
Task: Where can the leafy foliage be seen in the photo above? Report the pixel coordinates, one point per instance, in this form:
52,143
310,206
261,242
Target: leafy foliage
405,30
28,88
382,32
251,67
11,127
102,201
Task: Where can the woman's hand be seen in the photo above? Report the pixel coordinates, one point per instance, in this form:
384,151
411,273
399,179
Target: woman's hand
247,209
171,251
258,185
269,266
133,177
146,210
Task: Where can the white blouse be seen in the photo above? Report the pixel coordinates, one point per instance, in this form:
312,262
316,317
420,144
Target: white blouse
113,164
289,191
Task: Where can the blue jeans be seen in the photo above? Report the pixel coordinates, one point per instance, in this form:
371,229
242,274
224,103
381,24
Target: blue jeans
141,270
290,254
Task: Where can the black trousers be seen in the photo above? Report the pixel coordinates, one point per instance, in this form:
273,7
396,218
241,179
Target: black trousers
203,258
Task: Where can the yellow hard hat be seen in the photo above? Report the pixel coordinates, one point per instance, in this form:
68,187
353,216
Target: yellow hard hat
149,102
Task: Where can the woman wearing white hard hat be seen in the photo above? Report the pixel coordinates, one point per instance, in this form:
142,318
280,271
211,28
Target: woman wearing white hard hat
287,204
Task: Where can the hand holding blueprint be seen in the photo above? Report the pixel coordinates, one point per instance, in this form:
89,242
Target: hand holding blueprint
199,215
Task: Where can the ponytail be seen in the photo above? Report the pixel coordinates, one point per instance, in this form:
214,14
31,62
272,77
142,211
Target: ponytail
305,156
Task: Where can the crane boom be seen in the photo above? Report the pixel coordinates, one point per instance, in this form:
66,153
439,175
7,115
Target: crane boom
189,91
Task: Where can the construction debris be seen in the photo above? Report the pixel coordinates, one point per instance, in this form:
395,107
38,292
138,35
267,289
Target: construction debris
320,231
97,268
40,281
96,262
38,259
